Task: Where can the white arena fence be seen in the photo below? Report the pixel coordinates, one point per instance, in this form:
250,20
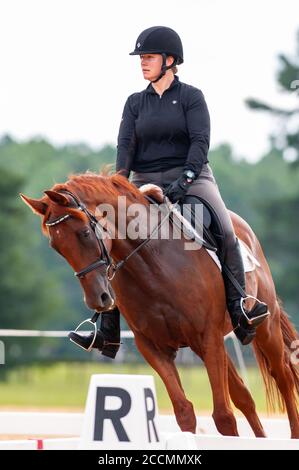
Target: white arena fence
125,334
69,425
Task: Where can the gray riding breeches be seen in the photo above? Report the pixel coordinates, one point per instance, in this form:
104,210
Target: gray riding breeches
205,188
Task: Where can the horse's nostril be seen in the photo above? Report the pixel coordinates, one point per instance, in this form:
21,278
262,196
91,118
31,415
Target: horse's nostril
105,298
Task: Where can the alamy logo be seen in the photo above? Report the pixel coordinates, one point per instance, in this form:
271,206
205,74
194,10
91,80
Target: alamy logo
295,84
138,221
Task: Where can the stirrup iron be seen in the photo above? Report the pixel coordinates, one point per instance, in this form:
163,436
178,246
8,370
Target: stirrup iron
93,321
259,311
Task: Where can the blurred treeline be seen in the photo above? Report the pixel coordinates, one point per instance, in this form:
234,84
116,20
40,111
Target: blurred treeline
38,289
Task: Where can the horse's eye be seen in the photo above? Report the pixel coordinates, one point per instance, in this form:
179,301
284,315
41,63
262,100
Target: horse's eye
86,233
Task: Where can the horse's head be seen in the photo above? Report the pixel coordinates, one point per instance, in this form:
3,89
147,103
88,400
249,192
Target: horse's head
73,233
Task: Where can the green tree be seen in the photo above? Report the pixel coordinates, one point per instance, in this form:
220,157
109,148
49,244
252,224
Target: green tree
39,165
282,244
288,80
29,294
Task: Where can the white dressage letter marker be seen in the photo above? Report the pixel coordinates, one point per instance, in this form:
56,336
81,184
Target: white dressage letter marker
121,413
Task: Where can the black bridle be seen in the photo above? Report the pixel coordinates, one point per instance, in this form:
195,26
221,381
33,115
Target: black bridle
105,259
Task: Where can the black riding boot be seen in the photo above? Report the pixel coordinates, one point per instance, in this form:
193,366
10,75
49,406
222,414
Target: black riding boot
243,321
107,338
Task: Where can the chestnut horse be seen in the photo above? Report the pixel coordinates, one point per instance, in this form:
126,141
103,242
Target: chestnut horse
171,297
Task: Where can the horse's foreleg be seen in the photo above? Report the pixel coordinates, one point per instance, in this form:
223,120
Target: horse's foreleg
163,363
243,400
215,359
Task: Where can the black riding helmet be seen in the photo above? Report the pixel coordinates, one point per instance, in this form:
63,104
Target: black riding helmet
160,40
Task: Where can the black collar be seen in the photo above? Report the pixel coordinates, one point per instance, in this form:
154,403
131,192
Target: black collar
174,83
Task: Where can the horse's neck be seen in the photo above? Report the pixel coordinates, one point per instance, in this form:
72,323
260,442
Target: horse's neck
125,239
121,220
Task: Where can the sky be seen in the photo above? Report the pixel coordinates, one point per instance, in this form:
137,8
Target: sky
66,71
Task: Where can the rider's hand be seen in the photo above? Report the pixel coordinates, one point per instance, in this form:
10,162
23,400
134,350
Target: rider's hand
178,188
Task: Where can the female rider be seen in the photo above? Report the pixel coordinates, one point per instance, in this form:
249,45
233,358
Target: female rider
164,139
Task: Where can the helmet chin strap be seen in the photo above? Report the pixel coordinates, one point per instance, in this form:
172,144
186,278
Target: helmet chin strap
164,67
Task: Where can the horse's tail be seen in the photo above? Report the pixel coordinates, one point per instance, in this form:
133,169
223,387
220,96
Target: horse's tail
290,336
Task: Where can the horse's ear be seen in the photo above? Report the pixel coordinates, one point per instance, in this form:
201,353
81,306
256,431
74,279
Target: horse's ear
57,197
38,206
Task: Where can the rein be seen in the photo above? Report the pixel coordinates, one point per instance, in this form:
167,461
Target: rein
106,260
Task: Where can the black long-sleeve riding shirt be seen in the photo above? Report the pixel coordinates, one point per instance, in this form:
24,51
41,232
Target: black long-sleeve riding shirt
158,133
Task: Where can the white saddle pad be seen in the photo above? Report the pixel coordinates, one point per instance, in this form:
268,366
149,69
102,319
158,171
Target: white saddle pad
249,261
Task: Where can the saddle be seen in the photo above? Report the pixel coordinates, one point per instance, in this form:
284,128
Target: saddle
211,236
